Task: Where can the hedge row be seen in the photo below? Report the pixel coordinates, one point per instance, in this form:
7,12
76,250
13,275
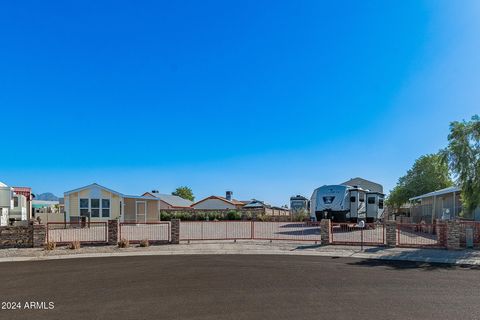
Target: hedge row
222,215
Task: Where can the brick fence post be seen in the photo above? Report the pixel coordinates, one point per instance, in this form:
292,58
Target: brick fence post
441,232
39,235
175,231
113,231
453,235
325,231
391,233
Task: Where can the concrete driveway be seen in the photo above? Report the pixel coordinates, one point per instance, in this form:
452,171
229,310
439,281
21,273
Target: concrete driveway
240,287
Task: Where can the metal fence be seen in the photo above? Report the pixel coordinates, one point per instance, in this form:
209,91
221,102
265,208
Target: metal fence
86,232
352,234
421,235
154,232
252,230
469,234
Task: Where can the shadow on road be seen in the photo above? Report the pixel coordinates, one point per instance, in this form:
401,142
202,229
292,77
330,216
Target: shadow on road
406,265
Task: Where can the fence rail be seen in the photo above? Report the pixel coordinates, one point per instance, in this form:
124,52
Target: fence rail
243,230
421,235
352,234
152,231
86,232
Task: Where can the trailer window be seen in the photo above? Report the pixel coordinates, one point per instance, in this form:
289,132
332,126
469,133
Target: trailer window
371,200
380,204
328,200
353,199
361,197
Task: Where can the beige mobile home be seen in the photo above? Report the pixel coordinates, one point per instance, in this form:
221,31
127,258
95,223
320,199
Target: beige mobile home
99,203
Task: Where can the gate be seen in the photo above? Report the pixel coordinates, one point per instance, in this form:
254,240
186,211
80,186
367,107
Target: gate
154,232
248,230
421,235
469,234
351,234
84,232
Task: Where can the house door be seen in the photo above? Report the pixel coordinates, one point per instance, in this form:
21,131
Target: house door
141,211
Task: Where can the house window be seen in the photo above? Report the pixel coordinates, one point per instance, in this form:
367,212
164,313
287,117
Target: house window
84,207
95,207
371,200
105,208
361,197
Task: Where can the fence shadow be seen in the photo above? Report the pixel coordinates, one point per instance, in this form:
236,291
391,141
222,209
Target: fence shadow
408,265
305,232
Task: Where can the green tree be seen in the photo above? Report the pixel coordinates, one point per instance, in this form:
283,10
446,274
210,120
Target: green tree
463,154
428,173
184,192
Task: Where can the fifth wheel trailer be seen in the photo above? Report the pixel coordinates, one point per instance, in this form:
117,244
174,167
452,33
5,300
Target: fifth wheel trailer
6,203
342,203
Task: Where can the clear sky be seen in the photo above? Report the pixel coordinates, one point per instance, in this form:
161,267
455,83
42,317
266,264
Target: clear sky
265,98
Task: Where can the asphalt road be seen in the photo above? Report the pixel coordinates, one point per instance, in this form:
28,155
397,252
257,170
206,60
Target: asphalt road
239,287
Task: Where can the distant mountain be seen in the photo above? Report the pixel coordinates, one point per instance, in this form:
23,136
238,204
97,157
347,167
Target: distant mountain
47,196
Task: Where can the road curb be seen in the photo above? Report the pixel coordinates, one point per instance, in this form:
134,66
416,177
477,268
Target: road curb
228,251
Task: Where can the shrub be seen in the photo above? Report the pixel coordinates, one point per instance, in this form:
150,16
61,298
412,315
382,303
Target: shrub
74,245
166,216
233,215
200,216
50,245
214,216
123,243
144,243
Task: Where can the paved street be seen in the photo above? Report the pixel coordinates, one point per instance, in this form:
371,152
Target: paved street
240,287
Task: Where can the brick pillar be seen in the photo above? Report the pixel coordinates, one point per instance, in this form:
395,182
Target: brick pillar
175,231
113,231
441,232
453,235
39,235
391,233
325,231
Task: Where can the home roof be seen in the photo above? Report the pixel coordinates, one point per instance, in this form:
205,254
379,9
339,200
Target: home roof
174,201
436,193
233,201
140,197
93,185
257,204
365,184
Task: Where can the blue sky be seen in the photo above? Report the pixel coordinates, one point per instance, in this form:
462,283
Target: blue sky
265,98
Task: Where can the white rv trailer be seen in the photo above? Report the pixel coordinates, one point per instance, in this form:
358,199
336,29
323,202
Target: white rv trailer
6,203
342,203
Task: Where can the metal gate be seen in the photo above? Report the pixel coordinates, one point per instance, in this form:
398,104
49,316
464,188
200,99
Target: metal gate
352,234
154,232
248,230
84,232
421,235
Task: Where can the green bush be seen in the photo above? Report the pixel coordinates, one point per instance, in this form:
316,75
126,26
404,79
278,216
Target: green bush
233,215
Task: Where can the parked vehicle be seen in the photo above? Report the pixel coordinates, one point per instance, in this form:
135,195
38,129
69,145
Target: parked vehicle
342,203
